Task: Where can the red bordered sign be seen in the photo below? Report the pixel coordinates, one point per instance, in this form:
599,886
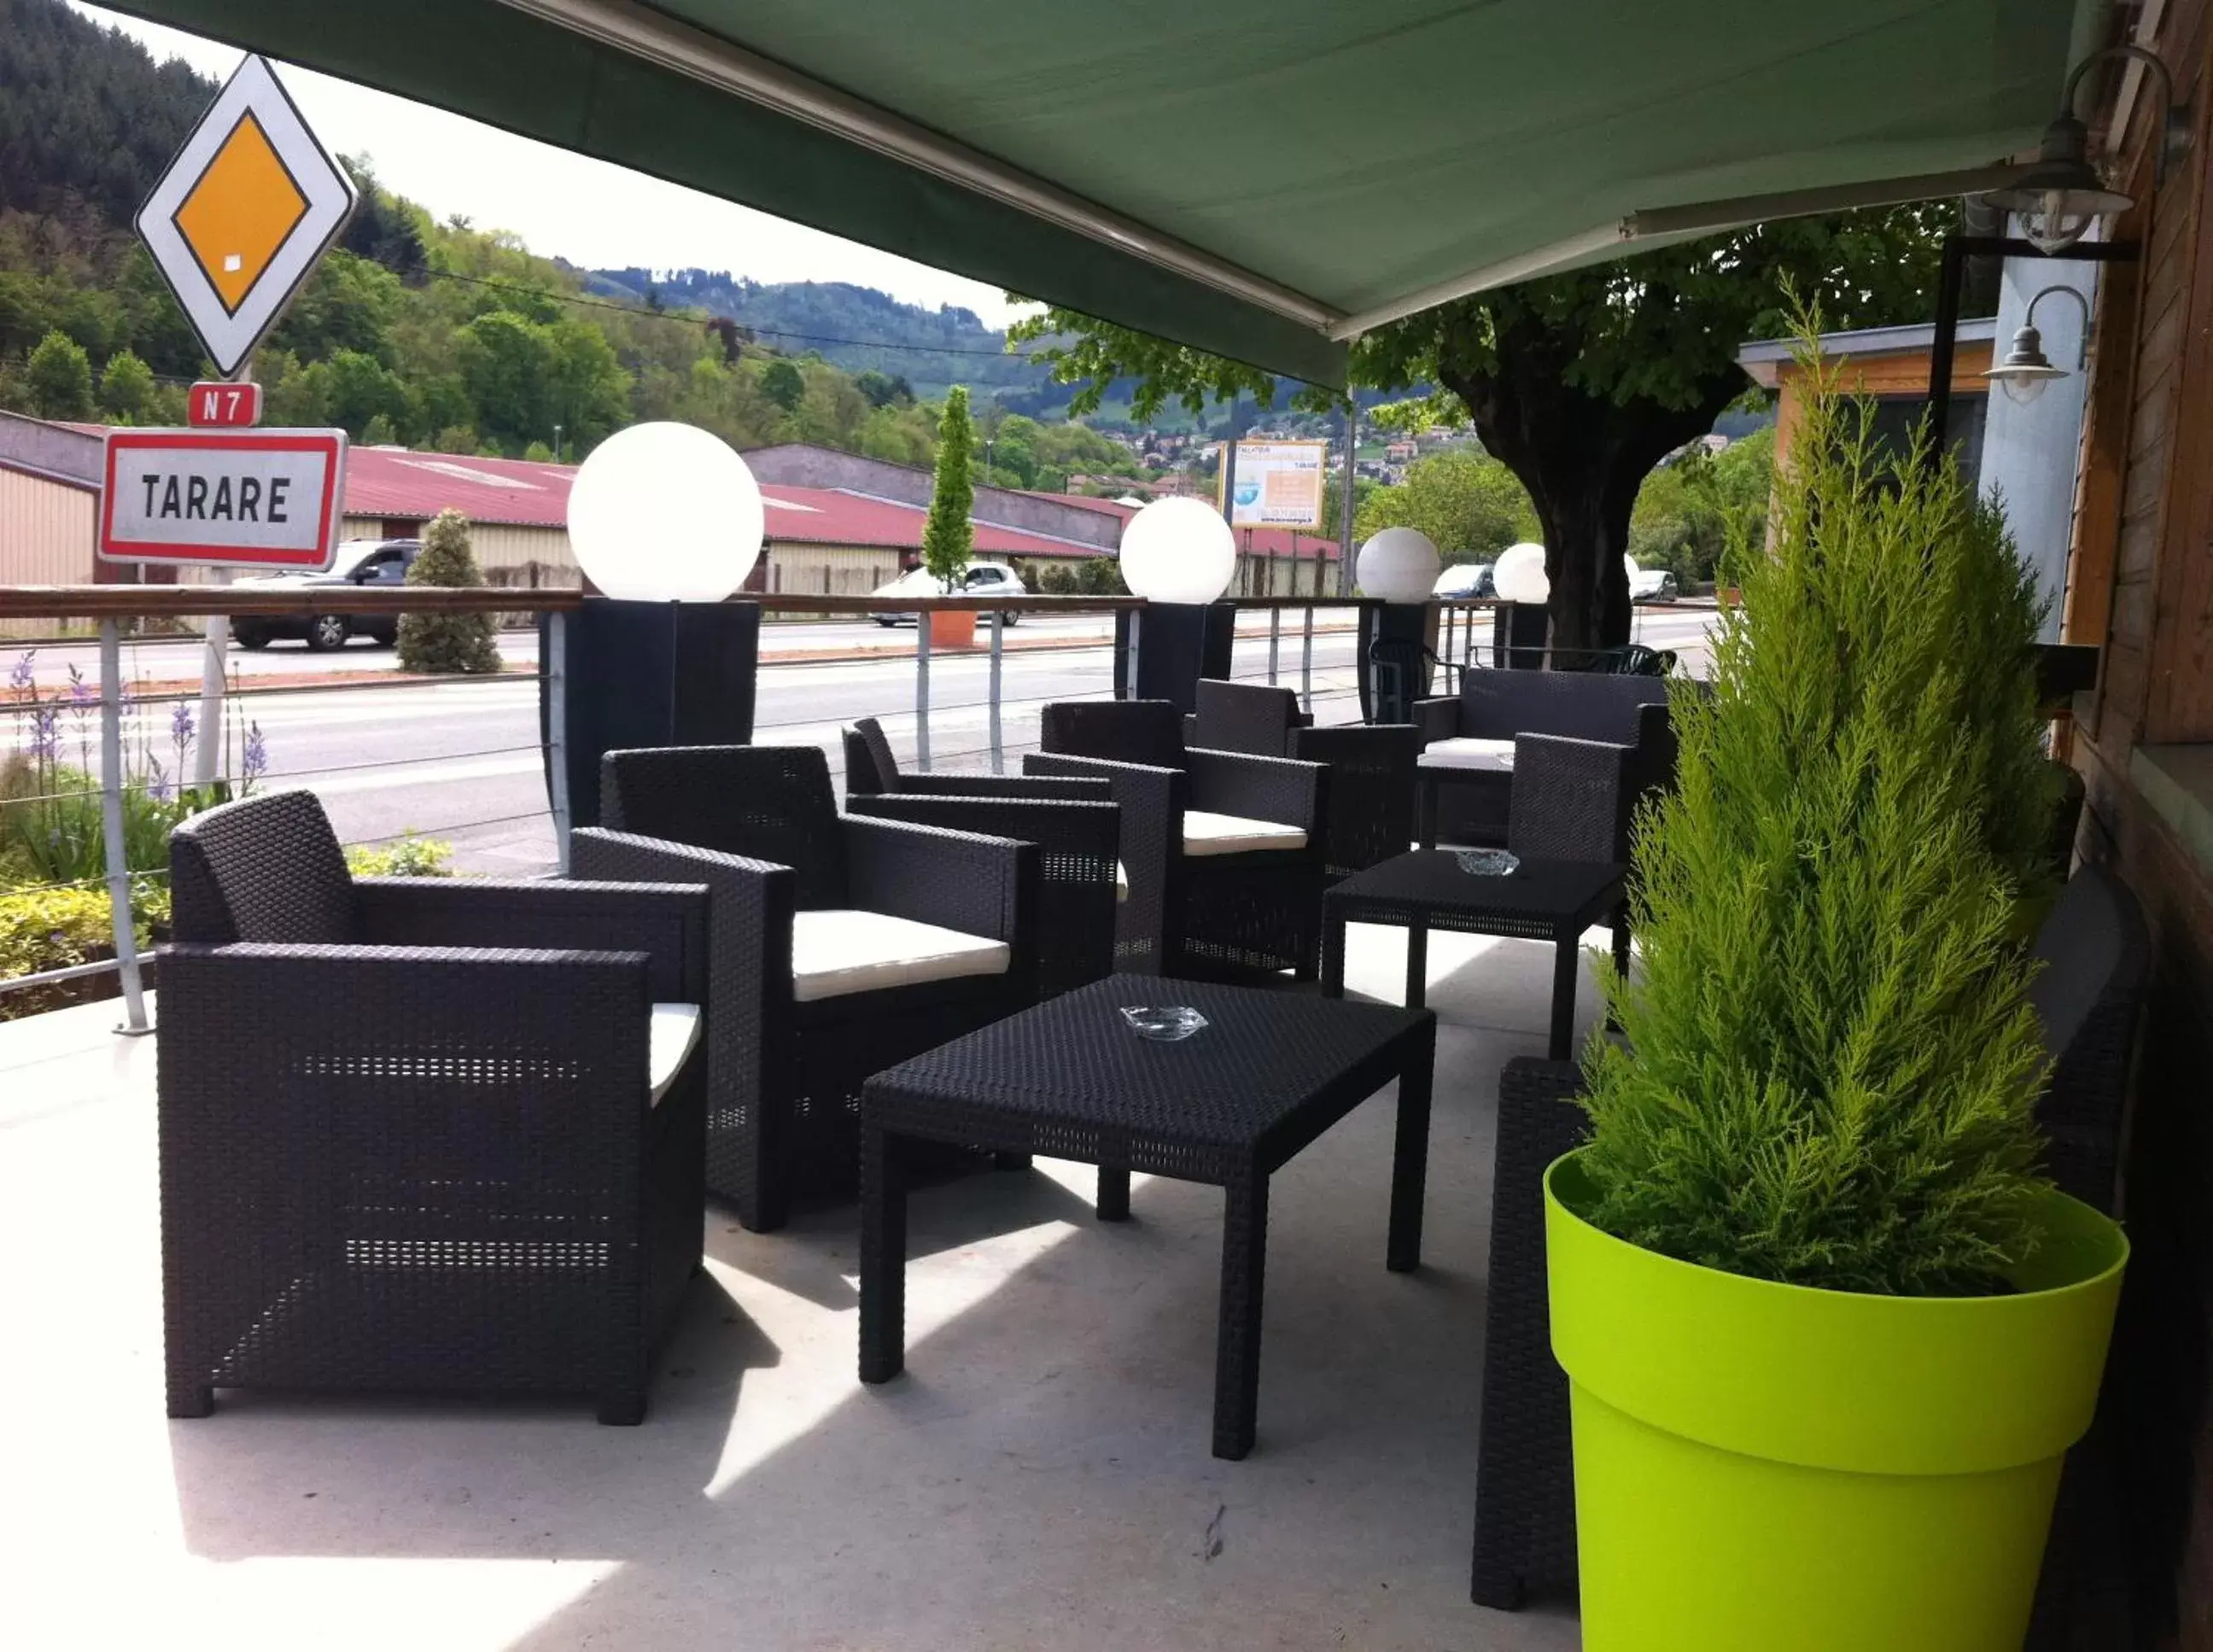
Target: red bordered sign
224,404
268,499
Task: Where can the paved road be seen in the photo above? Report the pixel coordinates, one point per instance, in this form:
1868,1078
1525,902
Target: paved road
171,660
458,759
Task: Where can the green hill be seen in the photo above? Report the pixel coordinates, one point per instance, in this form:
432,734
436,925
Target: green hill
857,328
430,335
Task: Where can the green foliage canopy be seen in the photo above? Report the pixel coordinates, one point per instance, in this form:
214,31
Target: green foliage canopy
1470,506
58,378
1581,382
1689,510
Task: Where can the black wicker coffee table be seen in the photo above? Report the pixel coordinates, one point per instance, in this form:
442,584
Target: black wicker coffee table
1426,888
1227,1106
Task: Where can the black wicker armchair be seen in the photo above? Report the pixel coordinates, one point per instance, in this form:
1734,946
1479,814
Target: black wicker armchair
872,771
1371,789
1074,822
1477,727
839,946
2089,998
1226,851
427,1134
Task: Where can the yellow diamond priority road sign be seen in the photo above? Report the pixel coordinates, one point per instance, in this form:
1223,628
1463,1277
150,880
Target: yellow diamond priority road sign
244,212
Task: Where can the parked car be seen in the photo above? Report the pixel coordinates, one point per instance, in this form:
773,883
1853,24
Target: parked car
357,561
1652,585
1468,579
981,579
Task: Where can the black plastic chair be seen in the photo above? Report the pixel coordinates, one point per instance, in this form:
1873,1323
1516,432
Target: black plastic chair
791,1036
1226,850
1371,790
412,1137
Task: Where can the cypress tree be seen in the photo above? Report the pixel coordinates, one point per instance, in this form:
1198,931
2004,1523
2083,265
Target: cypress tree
948,538
1831,1064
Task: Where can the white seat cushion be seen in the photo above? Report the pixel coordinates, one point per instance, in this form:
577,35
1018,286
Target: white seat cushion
1121,882
838,950
1470,752
669,1037
1208,833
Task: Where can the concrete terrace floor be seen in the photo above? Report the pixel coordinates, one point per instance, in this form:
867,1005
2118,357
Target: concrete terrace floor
1038,1478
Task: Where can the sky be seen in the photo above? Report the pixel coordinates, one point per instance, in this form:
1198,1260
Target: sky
565,205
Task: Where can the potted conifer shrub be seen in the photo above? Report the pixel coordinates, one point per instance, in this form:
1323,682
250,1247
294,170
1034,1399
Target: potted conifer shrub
1828,1332
947,536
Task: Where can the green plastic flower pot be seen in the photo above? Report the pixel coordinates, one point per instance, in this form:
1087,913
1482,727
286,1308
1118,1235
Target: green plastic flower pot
1768,1468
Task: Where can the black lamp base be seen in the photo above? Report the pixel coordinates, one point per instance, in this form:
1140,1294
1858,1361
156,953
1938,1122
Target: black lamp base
649,673
1177,643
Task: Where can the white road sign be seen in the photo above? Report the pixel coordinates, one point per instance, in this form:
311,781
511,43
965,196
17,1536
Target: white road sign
227,498
242,214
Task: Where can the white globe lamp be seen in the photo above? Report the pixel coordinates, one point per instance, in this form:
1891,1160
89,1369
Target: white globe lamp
664,512
1399,564
1519,575
1177,550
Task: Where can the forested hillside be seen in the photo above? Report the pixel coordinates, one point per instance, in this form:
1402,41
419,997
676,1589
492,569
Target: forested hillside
857,328
430,334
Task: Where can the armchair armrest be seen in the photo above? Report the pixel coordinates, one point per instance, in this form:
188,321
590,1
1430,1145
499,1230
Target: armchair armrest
1069,789
1152,801
960,880
749,907
1260,788
669,925
1438,719
1573,797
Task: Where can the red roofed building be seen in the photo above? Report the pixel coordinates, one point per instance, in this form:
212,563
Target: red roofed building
836,523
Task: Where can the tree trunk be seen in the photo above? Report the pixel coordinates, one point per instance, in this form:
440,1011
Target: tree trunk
1582,458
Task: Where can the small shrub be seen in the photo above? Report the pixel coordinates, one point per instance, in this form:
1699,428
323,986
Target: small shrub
408,856
1100,576
1831,1064
1058,579
446,644
51,929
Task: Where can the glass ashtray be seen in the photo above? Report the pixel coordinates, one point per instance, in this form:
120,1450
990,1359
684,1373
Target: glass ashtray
1486,863
1163,1023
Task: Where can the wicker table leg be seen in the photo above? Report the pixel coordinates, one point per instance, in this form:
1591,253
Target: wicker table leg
1410,1156
1425,787
1333,950
1114,1195
1237,1348
1417,962
1566,962
883,1257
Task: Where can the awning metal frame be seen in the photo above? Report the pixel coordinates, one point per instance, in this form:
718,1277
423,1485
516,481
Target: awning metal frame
661,41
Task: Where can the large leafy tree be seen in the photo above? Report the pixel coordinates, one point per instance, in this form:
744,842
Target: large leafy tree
1581,382
1470,506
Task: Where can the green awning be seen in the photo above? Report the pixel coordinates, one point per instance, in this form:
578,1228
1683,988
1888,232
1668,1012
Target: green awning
1246,178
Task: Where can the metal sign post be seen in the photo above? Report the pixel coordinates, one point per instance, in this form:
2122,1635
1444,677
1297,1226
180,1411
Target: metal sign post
238,222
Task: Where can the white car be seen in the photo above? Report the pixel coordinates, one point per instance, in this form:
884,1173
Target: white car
1468,579
980,579
1651,585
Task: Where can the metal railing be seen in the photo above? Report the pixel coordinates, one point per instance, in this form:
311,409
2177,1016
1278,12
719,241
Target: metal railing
975,719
